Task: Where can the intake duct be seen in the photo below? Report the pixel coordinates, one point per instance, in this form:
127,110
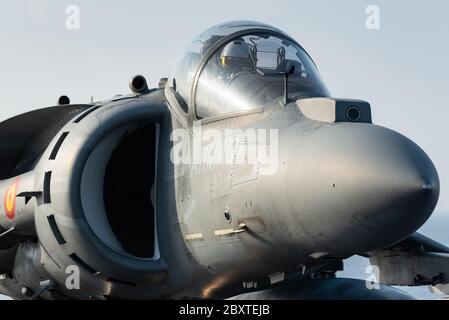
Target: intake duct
98,208
116,190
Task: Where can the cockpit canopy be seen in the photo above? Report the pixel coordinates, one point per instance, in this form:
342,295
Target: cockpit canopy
241,66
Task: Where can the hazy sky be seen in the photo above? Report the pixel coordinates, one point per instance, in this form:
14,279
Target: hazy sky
402,69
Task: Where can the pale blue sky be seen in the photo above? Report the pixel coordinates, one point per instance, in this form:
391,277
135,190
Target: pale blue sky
402,69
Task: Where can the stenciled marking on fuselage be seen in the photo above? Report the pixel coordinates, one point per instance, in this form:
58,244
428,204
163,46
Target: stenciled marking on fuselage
224,233
235,147
189,211
194,237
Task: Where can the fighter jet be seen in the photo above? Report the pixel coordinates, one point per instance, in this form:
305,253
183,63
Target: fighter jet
240,176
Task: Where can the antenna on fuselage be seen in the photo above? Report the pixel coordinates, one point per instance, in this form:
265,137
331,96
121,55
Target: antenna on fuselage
286,73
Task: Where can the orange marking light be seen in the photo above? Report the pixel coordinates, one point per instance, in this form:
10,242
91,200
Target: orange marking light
9,200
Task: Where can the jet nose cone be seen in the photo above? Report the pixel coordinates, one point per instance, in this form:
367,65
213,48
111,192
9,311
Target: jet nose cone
406,175
400,171
371,185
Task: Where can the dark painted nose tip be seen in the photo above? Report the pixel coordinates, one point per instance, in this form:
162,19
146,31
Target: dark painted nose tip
410,180
372,186
401,185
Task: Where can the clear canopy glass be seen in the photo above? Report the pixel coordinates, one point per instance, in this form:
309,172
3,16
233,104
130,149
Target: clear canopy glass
245,72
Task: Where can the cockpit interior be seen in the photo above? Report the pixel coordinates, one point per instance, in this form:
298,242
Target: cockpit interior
242,66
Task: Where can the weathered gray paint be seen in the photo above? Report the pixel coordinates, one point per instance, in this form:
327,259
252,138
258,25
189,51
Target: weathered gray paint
342,188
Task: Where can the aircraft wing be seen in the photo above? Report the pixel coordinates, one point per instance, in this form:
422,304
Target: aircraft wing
415,261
